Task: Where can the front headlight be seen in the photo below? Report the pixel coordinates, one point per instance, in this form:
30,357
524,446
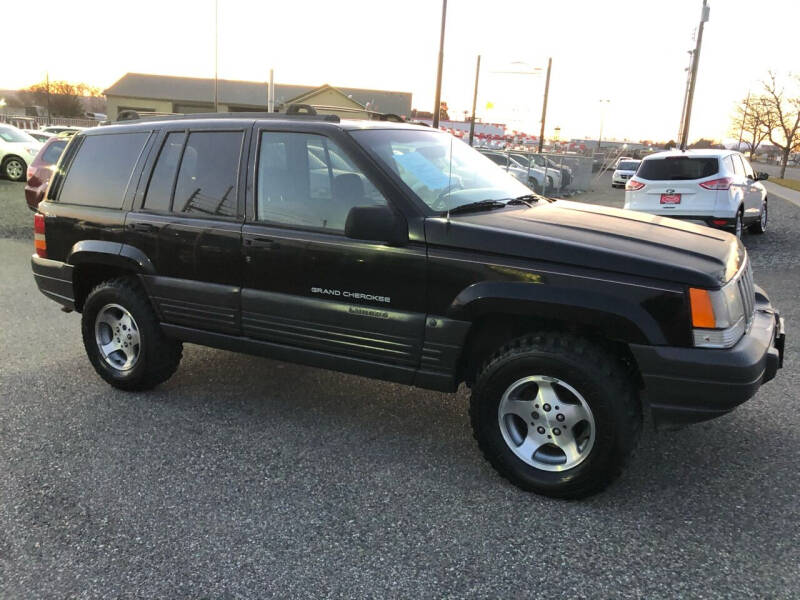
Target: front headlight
718,319
33,151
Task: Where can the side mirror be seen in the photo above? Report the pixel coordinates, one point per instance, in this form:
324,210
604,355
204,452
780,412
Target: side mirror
376,224
762,176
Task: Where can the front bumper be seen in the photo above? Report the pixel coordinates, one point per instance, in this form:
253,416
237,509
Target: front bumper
54,279
688,385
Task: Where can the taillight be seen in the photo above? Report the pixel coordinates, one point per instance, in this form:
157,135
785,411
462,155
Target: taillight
633,185
39,241
31,171
717,184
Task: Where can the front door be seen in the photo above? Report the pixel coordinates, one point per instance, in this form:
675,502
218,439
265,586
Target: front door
309,287
189,223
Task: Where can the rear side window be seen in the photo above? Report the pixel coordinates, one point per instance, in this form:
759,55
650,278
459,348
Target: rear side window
208,174
738,167
159,190
53,151
99,173
678,167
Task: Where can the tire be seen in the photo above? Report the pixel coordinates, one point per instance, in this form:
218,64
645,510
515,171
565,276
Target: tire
536,187
576,369
738,227
135,366
760,226
15,169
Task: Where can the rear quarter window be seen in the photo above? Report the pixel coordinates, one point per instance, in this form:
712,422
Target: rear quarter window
100,172
677,168
53,151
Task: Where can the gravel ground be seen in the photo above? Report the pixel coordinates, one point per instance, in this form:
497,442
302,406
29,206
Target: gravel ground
16,219
248,478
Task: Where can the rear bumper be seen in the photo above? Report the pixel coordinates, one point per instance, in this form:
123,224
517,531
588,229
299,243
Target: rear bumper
54,279
688,385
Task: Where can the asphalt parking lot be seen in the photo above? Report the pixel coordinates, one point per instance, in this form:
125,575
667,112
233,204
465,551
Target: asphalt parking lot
247,478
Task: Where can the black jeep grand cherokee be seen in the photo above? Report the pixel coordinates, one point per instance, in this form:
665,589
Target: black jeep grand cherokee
397,252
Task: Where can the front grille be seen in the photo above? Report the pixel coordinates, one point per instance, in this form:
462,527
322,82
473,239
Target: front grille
747,291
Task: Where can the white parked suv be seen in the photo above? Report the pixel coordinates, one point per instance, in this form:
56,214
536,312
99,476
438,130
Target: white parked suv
717,188
625,170
17,151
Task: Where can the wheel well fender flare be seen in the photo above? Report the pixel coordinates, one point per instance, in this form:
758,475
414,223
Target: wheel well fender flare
615,316
113,254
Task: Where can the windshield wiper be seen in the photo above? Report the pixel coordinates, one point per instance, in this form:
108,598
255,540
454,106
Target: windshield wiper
527,199
476,206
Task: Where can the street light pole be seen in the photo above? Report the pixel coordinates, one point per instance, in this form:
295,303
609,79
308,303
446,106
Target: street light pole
544,103
693,77
474,101
438,99
602,121
216,55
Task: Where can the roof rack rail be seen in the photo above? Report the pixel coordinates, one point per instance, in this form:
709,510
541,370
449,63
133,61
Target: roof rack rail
294,111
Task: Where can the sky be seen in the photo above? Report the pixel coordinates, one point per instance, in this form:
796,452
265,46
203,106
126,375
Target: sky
632,53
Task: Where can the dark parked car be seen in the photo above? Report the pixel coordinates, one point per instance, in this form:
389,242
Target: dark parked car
389,251
41,169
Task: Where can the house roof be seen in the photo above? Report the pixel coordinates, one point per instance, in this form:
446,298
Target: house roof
324,88
243,93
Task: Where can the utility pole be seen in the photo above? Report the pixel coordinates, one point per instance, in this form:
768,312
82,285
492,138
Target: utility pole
544,103
47,79
474,101
744,117
216,55
438,99
693,77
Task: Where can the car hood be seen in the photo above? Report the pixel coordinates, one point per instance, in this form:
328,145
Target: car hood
596,237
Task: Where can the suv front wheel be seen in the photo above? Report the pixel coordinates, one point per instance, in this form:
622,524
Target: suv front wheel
556,414
760,226
123,339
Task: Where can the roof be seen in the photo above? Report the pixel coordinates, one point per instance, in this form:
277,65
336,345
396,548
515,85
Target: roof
244,93
305,97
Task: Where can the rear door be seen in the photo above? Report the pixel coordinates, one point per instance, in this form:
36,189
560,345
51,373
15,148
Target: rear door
308,286
187,220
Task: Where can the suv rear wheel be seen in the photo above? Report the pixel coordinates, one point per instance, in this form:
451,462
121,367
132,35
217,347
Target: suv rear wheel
123,339
555,414
14,168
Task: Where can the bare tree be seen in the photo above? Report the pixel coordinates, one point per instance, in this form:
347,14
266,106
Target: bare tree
66,99
782,118
748,121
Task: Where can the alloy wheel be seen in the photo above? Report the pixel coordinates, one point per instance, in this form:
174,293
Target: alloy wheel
117,337
546,423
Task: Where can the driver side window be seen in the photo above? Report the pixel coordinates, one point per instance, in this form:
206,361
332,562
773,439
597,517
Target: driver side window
306,180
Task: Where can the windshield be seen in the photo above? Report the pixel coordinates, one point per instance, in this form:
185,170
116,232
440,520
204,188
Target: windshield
10,134
631,165
442,170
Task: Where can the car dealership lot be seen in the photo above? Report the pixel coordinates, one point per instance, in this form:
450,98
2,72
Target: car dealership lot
244,477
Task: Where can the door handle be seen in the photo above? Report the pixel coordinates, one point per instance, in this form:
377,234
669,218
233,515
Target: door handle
144,227
261,242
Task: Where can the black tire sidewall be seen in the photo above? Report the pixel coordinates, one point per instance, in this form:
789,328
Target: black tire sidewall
128,299
590,383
